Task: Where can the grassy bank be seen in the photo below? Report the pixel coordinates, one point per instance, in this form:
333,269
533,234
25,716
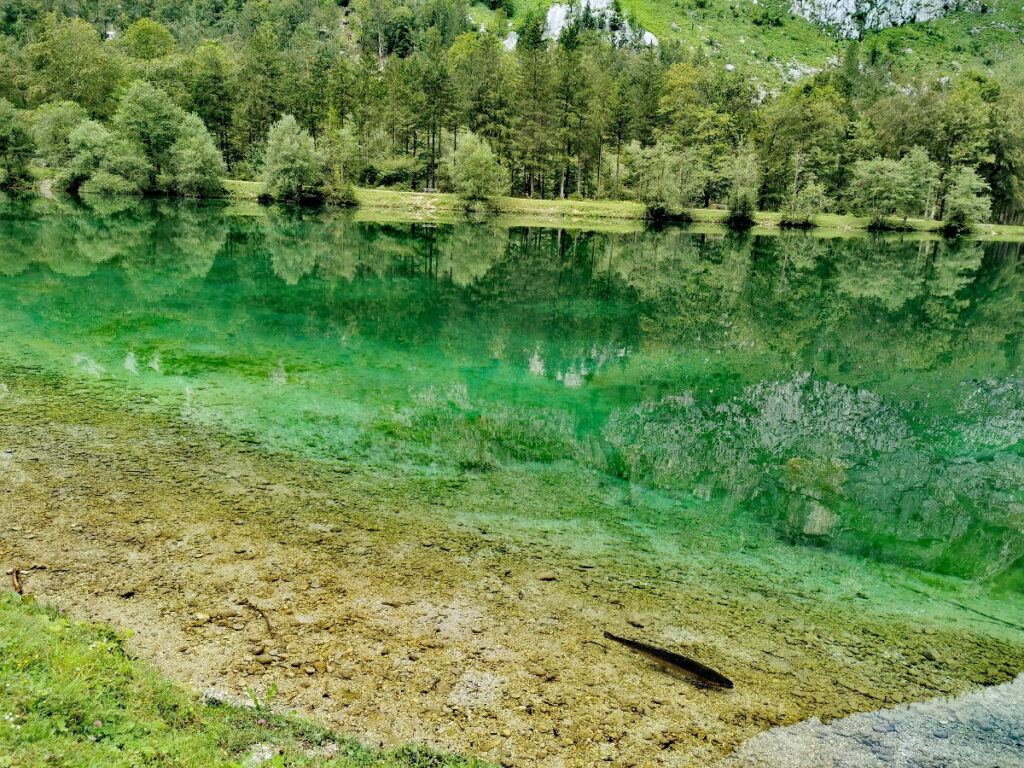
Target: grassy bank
441,207
71,696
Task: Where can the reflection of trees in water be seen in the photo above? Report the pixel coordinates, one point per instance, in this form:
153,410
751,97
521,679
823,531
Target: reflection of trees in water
843,467
158,244
881,449
174,244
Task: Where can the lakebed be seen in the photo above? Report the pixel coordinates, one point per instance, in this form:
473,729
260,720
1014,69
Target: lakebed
408,495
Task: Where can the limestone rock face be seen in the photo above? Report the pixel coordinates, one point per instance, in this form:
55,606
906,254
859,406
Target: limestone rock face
595,14
851,17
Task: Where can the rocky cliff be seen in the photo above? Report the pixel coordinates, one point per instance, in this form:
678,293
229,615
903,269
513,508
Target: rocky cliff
850,18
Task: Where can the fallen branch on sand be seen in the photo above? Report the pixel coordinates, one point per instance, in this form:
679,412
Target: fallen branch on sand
16,585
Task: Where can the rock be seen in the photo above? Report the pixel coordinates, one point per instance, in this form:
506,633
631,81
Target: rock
636,620
264,658
547,576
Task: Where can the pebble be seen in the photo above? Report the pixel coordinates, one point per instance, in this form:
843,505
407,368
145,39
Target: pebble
636,620
547,576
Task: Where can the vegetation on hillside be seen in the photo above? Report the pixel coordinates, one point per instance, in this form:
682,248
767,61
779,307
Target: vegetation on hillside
71,696
379,92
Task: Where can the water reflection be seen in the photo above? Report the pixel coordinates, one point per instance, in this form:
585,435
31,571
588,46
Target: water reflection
855,394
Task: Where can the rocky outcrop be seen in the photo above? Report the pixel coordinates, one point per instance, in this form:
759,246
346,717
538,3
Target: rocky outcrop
850,18
595,14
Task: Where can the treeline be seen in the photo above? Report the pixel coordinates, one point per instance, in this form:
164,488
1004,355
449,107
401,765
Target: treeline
382,93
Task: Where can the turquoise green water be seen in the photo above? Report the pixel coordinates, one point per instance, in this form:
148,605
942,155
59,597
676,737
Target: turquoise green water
850,394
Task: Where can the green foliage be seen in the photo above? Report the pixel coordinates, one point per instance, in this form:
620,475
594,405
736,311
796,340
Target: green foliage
475,173
71,691
208,82
113,164
920,168
147,117
804,201
196,168
881,188
803,131
744,177
52,124
666,181
340,148
259,89
967,201
147,39
407,77
70,63
152,145
106,183
293,169
15,147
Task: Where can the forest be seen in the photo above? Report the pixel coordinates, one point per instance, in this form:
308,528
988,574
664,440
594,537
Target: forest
313,98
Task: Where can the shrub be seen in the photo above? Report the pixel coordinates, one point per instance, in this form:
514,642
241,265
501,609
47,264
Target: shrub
98,152
967,202
52,124
196,166
106,183
744,176
803,202
15,147
293,169
475,172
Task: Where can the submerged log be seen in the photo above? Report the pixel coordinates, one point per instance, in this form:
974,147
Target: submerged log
674,662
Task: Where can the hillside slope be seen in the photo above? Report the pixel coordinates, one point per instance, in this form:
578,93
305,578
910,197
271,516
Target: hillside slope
766,39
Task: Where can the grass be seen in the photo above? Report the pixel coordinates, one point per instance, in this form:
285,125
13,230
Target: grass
243,190
71,696
526,211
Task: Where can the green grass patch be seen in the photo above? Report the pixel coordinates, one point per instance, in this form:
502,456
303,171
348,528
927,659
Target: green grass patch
243,190
521,211
71,696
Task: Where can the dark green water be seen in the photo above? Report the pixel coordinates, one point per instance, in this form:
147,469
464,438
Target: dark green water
851,394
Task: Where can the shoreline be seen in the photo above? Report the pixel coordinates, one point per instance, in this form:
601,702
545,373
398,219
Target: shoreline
621,216
443,207
399,610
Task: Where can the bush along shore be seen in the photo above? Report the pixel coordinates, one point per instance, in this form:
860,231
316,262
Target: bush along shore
70,689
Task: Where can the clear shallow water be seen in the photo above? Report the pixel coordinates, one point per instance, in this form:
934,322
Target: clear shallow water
850,394
983,729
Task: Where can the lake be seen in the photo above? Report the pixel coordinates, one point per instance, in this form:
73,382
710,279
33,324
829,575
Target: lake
663,431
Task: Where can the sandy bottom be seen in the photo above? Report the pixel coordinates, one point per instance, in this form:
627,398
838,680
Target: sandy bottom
376,606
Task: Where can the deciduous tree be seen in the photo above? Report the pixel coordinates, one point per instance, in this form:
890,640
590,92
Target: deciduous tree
293,169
